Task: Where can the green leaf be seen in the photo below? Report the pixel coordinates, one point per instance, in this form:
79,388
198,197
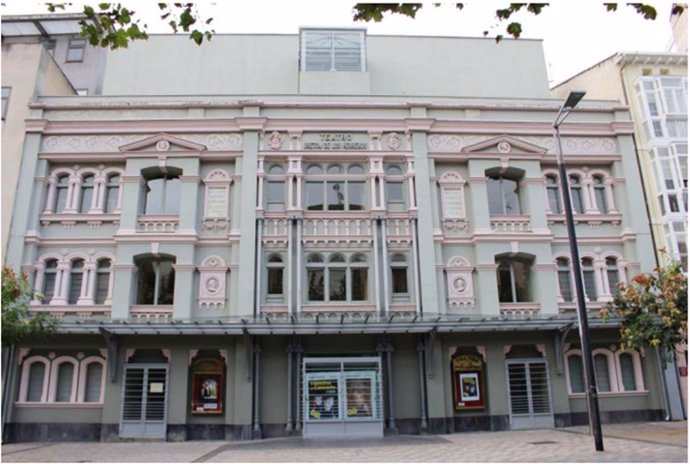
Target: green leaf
514,29
197,36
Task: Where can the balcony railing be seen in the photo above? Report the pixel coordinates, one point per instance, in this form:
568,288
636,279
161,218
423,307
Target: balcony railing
158,224
151,313
510,224
519,309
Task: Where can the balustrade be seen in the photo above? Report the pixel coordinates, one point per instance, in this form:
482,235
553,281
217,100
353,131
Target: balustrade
158,224
510,224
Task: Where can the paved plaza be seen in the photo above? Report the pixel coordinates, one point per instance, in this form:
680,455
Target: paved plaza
638,442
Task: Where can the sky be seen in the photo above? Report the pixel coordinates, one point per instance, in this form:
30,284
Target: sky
576,33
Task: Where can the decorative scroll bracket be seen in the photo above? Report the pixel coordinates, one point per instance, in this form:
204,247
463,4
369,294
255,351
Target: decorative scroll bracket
111,342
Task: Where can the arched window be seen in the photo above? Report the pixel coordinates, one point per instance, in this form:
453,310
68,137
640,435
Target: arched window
49,280
65,375
602,371
576,373
61,193
276,169
399,274
513,274
338,279
275,275
393,170
315,277
504,193
156,280
334,169
358,278
36,382
103,270
627,368
355,169
86,197
553,194
576,193
600,194
326,192
612,275
76,278
91,373
589,278
112,192
564,280
162,192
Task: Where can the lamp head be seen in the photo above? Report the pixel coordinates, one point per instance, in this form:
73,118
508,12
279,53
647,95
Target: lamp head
573,99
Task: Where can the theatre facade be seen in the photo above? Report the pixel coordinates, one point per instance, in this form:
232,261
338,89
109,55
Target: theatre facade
335,245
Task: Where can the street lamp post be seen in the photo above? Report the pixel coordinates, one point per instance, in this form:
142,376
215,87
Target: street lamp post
592,397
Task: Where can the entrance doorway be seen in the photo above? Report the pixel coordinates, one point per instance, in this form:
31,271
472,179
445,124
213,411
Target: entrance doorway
342,397
530,394
144,401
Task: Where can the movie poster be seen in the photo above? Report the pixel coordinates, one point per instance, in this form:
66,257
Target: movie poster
323,399
359,397
207,387
469,384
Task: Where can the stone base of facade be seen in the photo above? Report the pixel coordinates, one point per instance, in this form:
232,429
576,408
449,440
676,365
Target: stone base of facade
55,432
609,417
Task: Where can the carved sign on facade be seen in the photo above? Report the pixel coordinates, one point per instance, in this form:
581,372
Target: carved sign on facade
335,141
459,280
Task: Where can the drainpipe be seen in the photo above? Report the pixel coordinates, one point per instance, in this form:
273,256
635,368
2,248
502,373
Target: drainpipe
7,388
289,350
664,389
422,384
415,265
257,275
257,389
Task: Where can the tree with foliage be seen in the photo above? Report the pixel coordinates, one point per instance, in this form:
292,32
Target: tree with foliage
110,25
653,309
17,321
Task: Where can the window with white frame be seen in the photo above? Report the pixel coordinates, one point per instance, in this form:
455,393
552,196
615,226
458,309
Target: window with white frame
395,188
333,50
576,193
155,280
335,188
75,50
62,379
398,264
275,188
615,371
513,275
553,194
664,104
612,275
600,195
74,279
564,279
337,279
589,278
504,192
85,191
162,192
275,273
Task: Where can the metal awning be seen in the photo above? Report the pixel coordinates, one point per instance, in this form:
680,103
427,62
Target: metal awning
331,326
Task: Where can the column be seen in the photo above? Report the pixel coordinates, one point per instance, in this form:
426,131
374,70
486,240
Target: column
385,273
87,285
73,194
178,365
289,350
298,416
534,198
48,208
259,266
588,196
124,284
256,427
422,396
479,216
61,281
97,205
183,303
545,285
487,284
189,193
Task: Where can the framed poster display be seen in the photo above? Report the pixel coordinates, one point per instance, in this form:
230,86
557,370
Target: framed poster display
208,386
468,382
323,401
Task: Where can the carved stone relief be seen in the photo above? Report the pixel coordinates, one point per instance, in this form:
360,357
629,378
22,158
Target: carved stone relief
459,281
212,283
571,145
105,143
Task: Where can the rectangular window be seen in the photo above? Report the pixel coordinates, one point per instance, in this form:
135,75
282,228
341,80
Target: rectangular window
359,285
336,196
102,284
337,285
275,196
315,283
564,284
399,280
36,378
333,51
601,373
355,195
48,287
314,196
75,50
275,281
94,376
6,91
590,285
395,201
65,376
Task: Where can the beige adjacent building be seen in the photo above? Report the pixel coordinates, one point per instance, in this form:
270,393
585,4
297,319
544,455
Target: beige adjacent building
28,71
654,87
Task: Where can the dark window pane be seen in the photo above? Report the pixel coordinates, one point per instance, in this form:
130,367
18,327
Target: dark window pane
336,285
564,285
600,196
601,373
359,285
75,281
628,372
275,281
521,275
355,195
576,197
554,199
275,193
399,280
86,194
61,195
336,196
49,281
505,290
394,191
510,194
314,196
111,194
94,377
102,284
147,282
315,282
166,291
64,382
36,377
493,187
577,383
